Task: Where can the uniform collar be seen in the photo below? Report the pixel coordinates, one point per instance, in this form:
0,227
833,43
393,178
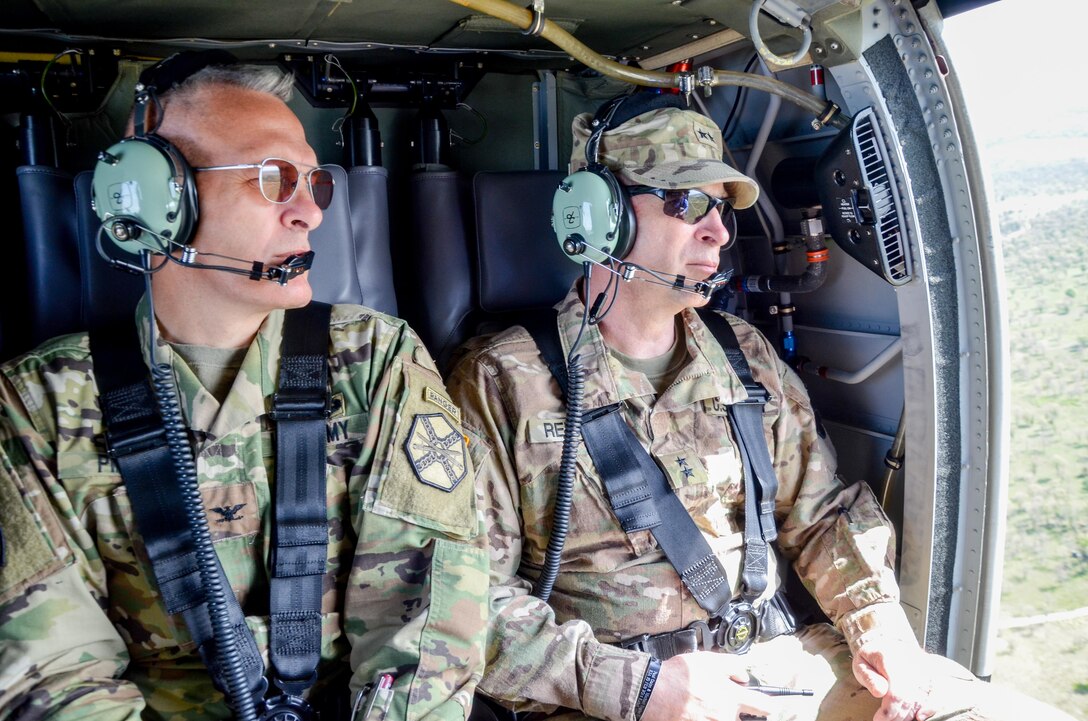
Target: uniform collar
251,392
706,375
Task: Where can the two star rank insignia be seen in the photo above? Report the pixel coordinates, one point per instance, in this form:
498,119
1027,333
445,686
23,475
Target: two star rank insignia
436,451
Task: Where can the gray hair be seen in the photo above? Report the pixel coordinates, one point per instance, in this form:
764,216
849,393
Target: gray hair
259,78
186,96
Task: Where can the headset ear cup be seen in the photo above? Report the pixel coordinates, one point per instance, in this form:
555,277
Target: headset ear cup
189,208
185,216
627,226
145,195
592,216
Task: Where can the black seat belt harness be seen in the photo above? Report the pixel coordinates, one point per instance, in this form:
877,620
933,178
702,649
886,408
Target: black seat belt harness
300,529
642,499
136,441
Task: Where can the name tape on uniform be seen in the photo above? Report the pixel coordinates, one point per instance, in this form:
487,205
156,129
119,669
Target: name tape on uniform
546,430
715,407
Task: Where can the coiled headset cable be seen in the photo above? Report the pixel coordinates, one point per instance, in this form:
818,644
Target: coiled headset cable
572,439
181,453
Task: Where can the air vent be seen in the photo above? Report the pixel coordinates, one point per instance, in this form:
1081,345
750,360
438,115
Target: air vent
862,207
876,175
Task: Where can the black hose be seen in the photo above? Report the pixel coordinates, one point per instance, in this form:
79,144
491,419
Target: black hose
738,103
812,278
564,492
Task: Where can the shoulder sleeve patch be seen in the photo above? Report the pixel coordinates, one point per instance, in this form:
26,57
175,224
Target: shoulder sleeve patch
429,480
436,451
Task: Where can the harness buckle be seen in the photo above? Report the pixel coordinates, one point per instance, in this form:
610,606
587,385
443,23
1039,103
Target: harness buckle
738,628
288,406
757,394
705,634
638,643
288,707
595,413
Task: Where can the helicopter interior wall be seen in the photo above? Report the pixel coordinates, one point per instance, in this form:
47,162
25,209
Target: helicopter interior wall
844,324
852,317
950,466
504,103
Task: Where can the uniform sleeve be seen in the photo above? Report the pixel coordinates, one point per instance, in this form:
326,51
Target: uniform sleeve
416,602
841,543
60,656
533,662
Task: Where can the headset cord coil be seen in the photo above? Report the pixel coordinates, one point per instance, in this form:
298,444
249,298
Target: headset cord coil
226,648
572,439
564,492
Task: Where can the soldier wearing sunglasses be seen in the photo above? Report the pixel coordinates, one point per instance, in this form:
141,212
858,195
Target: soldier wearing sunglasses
84,627
622,635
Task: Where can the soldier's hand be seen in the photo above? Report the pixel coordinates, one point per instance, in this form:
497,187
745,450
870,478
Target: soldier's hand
705,686
896,672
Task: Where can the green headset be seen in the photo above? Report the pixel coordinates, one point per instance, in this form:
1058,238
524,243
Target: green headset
143,189
592,215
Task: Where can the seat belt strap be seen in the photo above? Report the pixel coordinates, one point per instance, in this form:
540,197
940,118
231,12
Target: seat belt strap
136,441
760,481
541,325
746,417
300,532
642,498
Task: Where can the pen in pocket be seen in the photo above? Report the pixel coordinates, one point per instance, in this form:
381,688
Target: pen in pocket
375,696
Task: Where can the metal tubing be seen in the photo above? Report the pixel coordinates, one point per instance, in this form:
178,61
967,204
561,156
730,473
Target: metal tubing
863,373
893,459
523,18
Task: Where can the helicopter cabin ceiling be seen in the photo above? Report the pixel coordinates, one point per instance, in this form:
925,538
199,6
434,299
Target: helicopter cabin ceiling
625,29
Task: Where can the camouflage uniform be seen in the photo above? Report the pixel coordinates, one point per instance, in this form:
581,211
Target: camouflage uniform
82,629
613,585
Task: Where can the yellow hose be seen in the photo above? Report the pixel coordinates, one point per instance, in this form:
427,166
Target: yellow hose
523,18
786,91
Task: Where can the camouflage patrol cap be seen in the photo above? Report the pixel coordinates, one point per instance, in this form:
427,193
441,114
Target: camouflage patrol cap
665,148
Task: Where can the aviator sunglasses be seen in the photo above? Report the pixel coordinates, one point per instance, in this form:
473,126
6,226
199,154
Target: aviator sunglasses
690,206
278,179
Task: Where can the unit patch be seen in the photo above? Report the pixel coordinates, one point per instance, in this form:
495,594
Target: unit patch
27,553
436,450
432,396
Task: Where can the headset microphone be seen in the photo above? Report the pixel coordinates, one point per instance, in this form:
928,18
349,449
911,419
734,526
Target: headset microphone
707,287
291,267
628,271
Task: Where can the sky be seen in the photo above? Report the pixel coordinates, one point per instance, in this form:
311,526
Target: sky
1021,66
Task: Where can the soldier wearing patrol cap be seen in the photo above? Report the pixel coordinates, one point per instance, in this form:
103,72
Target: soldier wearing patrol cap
646,620
90,624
